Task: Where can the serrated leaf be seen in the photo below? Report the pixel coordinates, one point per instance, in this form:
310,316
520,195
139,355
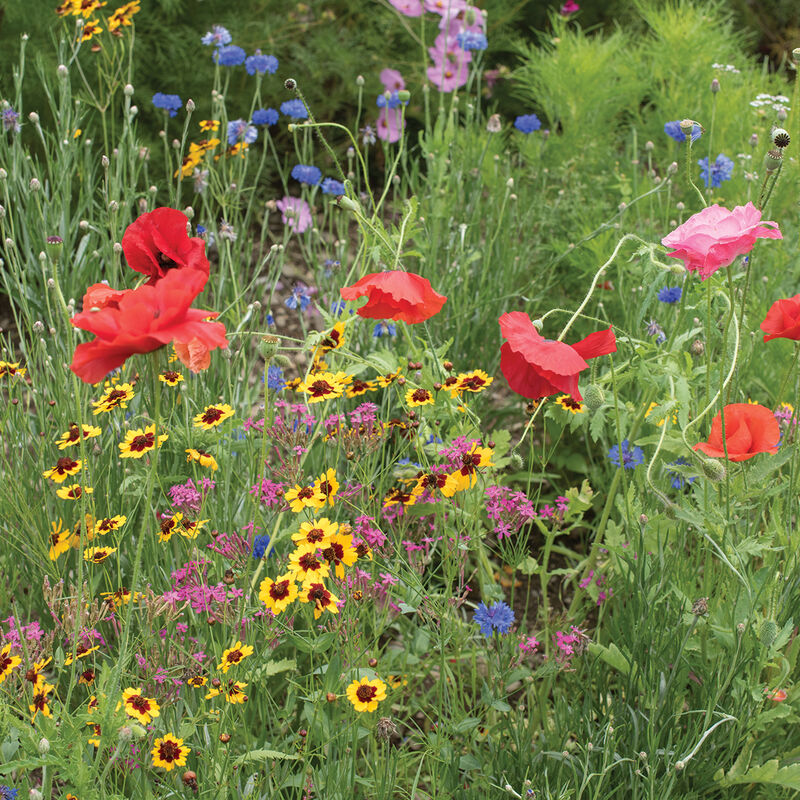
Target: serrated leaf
771,773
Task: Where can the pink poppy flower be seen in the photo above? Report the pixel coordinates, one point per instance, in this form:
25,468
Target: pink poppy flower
714,237
388,125
295,213
410,8
445,6
392,80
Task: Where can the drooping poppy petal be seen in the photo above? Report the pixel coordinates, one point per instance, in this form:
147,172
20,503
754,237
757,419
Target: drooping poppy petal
157,243
100,295
750,429
144,320
537,367
395,295
783,320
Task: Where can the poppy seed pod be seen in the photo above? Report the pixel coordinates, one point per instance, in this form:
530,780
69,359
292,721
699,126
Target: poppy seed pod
780,138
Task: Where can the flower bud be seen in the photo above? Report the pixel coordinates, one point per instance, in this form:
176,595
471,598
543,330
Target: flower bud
403,95
796,55
538,324
772,160
768,633
714,86
117,248
330,697
3,174
593,397
128,90
190,106
290,84
754,140
649,146
35,185
113,206
494,125
359,80
714,470
33,117
62,71
83,225
782,114
44,746
672,168
105,162
224,738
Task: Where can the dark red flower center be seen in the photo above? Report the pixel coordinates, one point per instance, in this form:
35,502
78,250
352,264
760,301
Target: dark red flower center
362,550
167,525
359,387
420,395
212,415
5,663
141,704
315,535
469,461
309,562
319,594
39,701
65,464
334,553
431,481
306,493
142,442
473,382
171,376
169,751
165,262
279,590
234,657
569,402
72,434
320,388
366,693
326,488
115,397
105,525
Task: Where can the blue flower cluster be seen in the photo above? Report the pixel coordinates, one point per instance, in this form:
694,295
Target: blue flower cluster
334,187
169,102
231,55
631,457
673,129
714,174
7,793
265,116
299,298
497,617
677,480
275,379
384,328
295,109
259,64
217,36
527,123
670,294
260,545
472,40
305,173
389,100
241,131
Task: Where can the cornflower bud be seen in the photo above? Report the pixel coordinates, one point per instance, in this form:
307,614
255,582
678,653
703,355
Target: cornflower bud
714,86
128,90
62,71
33,117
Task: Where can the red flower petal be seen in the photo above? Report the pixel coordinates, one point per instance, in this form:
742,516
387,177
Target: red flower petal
395,295
783,320
750,429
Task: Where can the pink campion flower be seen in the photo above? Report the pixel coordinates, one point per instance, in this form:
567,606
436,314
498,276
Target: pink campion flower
392,80
570,7
529,644
409,8
388,125
714,237
295,213
445,6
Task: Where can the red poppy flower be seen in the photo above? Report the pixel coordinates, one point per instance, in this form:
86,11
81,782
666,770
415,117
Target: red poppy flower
100,295
157,243
783,320
537,367
749,429
144,320
395,295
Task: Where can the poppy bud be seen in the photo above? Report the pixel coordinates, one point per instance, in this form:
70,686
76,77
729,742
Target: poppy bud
404,95
593,397
768,632
713,470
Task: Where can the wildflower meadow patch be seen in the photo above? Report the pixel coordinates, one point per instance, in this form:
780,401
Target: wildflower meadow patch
442,447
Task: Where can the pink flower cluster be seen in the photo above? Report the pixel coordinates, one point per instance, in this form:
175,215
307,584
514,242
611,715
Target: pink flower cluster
187,497
568,645
509,510
32,632
600,582
189,586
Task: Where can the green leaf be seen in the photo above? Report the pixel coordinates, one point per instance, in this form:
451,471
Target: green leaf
469,762
771,772
262,756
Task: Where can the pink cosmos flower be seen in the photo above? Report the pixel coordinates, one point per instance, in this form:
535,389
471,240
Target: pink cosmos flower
410,8
448,74
446,46
392,80
445,6
388,125
714,237
295,213
570,7
458,20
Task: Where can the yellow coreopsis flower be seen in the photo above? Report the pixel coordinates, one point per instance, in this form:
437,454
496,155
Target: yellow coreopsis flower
366,694
141,441
233,655
169,752
278,594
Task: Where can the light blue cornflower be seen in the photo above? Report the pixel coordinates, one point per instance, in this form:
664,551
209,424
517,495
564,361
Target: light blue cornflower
260,64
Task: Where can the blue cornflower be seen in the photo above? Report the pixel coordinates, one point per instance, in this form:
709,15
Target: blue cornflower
265,116
7,793
275,379
670,294
305,173
260,64
270,320
631,457
260,545
329,265
472,40
721,170
497,617
229,56
217,36
673,129
331,186
677,480
169,102
295,109
654,329
299,298
241,130
201,229
384,328
10,119
392,101
528,123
